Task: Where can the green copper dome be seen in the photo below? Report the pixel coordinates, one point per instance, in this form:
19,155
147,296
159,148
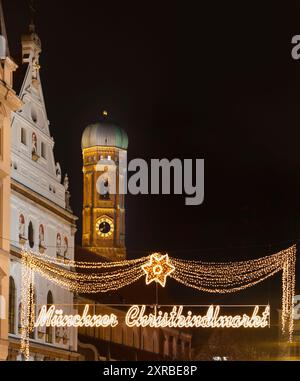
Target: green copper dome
104,134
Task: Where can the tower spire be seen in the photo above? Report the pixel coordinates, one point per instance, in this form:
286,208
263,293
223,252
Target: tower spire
31,43
32,13
3,28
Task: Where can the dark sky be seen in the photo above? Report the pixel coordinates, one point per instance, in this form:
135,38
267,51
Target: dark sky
215,81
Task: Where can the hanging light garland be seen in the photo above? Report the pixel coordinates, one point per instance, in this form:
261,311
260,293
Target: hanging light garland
26,305
222,277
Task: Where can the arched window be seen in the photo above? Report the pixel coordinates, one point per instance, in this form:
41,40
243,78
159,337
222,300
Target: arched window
49,330
103,185
34,116
43,150
104,192
30,235
12,305
23,136
49,298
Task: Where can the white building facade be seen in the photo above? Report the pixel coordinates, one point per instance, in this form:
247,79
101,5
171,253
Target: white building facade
8,102
41,217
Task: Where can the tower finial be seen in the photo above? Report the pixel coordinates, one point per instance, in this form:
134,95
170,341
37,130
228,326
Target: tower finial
32,14
3,28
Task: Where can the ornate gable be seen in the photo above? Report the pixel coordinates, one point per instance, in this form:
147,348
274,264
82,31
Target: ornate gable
33,162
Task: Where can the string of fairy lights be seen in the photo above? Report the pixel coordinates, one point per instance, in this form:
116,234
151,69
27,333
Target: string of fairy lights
236,276
26,306
212,277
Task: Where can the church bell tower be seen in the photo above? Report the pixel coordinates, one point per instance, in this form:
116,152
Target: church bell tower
104,150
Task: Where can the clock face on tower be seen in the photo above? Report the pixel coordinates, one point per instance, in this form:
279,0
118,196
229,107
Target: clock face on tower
104,227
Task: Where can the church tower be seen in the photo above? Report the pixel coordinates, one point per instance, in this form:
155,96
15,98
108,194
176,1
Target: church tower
104,150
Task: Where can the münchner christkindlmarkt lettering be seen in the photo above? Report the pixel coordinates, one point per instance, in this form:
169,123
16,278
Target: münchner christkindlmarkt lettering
136,316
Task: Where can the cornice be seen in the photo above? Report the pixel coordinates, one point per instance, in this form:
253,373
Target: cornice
43,202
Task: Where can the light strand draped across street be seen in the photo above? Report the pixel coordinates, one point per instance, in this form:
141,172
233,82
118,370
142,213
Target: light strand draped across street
225,277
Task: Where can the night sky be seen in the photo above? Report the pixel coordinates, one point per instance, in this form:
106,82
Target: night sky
215,81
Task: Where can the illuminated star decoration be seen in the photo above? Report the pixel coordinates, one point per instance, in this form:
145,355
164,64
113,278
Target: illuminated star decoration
158,268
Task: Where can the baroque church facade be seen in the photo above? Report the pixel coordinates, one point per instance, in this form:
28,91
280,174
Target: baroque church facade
41,217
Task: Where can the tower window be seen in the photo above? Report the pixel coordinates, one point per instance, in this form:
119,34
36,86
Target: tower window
43,150
30,235
23,136
104,194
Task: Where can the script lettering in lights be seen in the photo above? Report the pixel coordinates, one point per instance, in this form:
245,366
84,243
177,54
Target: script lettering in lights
54,317
137,316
